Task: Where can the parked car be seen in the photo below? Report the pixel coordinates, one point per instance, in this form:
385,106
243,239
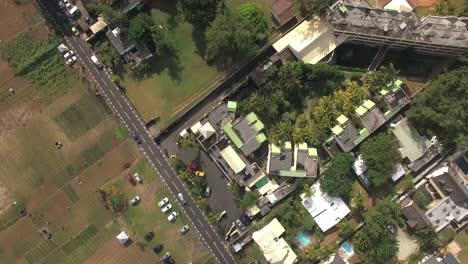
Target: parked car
166,257
240,225
135,137
166,208
71,60
130,179
149,235
163,202
67,3
181,198
75,31
200,173
207,192
172,217
137,178
391,229
158,248
135,200
88,20
68,54
184,229
192,166
245,219
61,4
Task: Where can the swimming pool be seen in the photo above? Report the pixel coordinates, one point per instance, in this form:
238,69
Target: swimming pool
347,248
303,238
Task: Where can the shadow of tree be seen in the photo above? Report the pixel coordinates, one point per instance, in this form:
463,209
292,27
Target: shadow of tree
167,59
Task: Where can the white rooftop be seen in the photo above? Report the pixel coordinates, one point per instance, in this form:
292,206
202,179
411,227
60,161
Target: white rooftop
327,211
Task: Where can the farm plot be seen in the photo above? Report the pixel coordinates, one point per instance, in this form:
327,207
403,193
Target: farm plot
16,18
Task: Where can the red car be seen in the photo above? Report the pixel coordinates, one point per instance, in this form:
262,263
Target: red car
130,179
193,166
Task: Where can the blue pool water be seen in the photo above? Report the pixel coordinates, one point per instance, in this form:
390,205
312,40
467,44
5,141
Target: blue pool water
303,238
347,248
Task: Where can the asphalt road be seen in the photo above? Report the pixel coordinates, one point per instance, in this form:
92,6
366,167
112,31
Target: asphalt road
124,109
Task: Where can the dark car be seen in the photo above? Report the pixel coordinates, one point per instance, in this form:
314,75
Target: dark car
240,225
135,137
158,248
245,219
88,20
149,235
130,179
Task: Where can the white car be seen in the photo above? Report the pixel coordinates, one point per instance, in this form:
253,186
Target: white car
67,3
137,178
172,217
166,208
135,200
184,229
68,54
71,60
181,198
163,202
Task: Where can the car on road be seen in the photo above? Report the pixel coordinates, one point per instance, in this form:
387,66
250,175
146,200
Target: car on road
68,54
71,60
240,225
96,62
184,229
163,202
172,217
130,179
166,208
181,198
75,31
135,200
137,177
207,192
158,248
135,137
149,235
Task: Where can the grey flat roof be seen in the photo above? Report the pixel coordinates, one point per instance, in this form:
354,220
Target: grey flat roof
281,161
346,139
247,134
373,119
446,31
307,163
451,185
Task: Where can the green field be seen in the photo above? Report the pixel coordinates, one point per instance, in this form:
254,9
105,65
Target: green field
462,239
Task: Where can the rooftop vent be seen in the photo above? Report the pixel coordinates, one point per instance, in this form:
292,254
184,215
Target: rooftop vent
403,25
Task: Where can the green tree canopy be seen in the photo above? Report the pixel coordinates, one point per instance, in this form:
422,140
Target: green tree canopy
381,156
337,179
373,241
249,199
111,15
253,15
381,78
199,12
140,28
441,108
280,132
312,6
228,39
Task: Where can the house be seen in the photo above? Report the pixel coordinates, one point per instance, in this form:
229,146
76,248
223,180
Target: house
310,41
335,258
360,168
123,238
245,133
300,161
415,216
396,96
449,259
418,150
399,5
327,211
452,208
132,52
346,134
370,115
282,11
275,249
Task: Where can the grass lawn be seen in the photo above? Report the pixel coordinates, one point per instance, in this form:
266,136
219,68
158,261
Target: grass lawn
263,4
462,240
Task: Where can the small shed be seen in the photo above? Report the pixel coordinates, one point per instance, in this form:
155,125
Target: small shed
207,130
122,238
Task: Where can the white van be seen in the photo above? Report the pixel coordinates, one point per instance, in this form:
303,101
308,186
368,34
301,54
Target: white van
95,60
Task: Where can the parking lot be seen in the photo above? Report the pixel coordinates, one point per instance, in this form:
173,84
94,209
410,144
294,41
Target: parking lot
221,199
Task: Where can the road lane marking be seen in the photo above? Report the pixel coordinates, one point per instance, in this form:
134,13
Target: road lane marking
128,117
176,187
119,104
151,150
136,129
112,92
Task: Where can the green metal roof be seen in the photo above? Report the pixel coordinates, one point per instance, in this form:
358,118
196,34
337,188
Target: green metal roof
361,110
343,9
258,125
384,92
287,145
312,152
260,138
252,117
330,139
275,149
232,106
337,130
368,104
342,119
232,135
302,146
286,173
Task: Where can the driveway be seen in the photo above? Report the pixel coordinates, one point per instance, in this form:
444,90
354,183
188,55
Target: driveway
221,198
407,245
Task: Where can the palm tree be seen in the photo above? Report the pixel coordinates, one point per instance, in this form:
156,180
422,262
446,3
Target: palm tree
390,73
189,142
281,131
325,111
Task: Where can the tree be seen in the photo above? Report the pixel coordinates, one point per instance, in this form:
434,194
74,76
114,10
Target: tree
345,228
312,6
337,180
381,156
308,224
252,14
110,57
111,15
427,239
140,28
357,200
381,78
281,132
249,199
228,39
440,109
199,12
421,199
188,142
373,241
115,199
